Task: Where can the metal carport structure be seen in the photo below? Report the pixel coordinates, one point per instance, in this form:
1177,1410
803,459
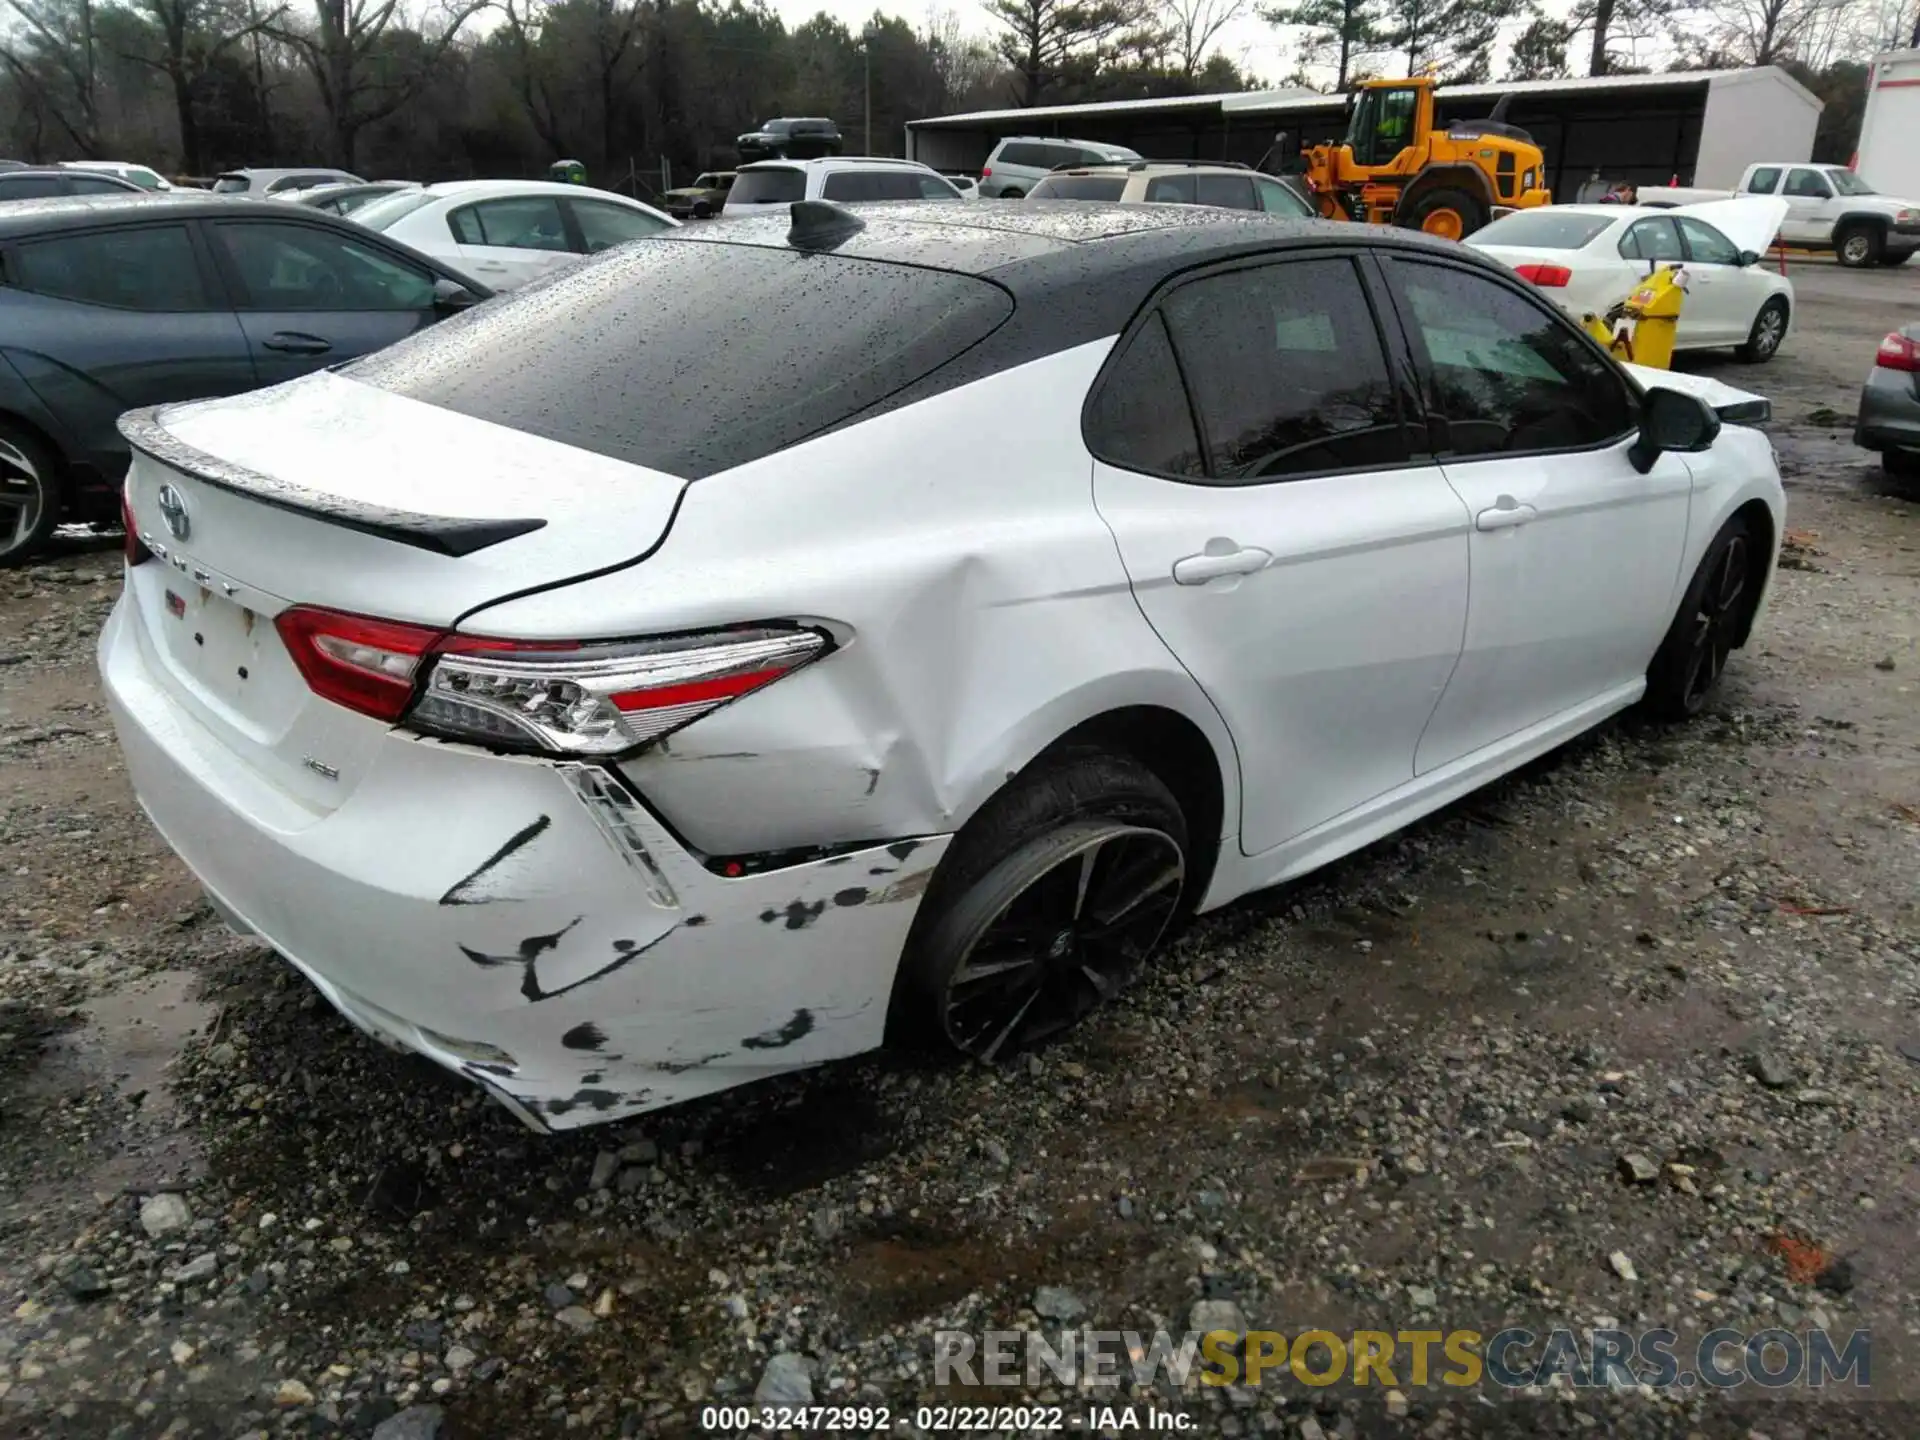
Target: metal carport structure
1704,126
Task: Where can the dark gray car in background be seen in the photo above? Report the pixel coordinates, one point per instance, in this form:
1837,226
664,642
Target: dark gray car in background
26,183
109,304
1889,419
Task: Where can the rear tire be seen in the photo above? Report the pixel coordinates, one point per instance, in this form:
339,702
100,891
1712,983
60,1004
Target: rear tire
32,495
1901,464
1769,329
1858,247
1447,213
1718,602
1048,904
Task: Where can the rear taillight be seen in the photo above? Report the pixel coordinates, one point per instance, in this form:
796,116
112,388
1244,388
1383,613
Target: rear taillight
559,696
1551,277
986,172
354,660
599,698
1897,352
136,552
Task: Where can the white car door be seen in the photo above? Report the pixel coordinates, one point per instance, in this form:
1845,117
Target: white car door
1723,295
1647,245
1809,206
1575,553
512,239
1281,533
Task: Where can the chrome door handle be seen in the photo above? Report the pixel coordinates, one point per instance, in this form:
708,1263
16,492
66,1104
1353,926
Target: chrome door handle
1218,561
293,342
1505,514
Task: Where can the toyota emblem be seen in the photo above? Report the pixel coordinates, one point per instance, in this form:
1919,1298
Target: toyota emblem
173,510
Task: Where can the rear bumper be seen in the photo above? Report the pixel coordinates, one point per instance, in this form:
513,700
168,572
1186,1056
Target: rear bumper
501,917
1889,416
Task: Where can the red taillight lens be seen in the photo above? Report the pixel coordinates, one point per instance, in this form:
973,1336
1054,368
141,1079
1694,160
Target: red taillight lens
364,664
1897,352
136,553
986,172
598,698
1551,277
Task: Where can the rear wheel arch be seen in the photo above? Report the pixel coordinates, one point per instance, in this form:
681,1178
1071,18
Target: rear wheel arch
1760,525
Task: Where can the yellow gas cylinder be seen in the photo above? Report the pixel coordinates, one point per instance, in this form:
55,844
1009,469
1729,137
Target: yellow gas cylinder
1640,329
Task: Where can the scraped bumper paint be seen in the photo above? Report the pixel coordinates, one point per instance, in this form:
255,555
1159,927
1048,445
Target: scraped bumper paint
502,918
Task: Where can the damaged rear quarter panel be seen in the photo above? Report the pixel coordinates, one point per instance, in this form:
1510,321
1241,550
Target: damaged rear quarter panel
986,607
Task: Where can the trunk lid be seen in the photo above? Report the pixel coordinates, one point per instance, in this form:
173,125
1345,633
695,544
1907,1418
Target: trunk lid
332,493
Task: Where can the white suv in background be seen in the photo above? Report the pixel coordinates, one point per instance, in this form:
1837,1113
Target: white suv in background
769,185
1227,186
1020,162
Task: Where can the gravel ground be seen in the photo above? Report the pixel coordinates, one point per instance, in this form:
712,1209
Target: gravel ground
1628,1038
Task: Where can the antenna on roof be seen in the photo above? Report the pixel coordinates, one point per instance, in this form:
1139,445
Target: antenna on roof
821,225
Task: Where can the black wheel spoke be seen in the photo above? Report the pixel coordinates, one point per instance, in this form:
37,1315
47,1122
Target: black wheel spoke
1066,943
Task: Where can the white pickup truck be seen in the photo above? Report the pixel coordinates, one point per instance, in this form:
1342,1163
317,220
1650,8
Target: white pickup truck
1829,207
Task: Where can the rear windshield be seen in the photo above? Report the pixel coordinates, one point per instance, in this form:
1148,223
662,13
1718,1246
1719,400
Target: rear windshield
692,357
1543,230
1079,187
388,209
768,187
229,184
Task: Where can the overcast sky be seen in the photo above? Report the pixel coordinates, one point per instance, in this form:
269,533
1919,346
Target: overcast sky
1249,41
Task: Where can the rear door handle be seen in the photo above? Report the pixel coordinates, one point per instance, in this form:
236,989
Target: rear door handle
292,342
1219,560
1505,514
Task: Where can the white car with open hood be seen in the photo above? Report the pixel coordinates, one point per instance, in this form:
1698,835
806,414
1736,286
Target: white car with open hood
642,685
1589,257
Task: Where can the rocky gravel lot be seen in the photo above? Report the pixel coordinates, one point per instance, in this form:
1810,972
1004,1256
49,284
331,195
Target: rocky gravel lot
1632,1037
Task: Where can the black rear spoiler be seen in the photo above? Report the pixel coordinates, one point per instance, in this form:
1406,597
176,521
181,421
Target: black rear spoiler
442,534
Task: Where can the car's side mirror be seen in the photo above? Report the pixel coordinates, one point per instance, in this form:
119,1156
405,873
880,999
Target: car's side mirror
1749,257
1669,420
450,296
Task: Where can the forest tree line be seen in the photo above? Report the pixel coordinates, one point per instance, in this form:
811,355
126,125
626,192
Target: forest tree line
505,87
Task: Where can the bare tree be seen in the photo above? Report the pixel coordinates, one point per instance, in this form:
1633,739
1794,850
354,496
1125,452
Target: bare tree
59,66
1047,43
352,49
1193,25
1761,32
189,36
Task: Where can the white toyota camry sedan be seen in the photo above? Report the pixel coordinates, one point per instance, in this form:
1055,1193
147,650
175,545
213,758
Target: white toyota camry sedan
649,683
507,232
1587,258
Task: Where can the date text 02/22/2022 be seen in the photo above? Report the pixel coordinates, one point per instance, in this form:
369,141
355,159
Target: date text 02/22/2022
934,1419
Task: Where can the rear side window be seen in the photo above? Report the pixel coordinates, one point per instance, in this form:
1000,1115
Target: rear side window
1079,187
693,357
1171,190
1764,180
1232,192
95,185
768,187
1287,372
230,185
1036,157
31,187
1651,240
152,267
520,222
1140,420
855,185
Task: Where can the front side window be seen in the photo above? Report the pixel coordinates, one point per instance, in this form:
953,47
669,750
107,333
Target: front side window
1286,370
149,267
1706,244
1651,240
1140,419
95,185
301,267
603,226
1504,374
932,187
1807,185
1231,192
1764,180
1278,199
519,222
